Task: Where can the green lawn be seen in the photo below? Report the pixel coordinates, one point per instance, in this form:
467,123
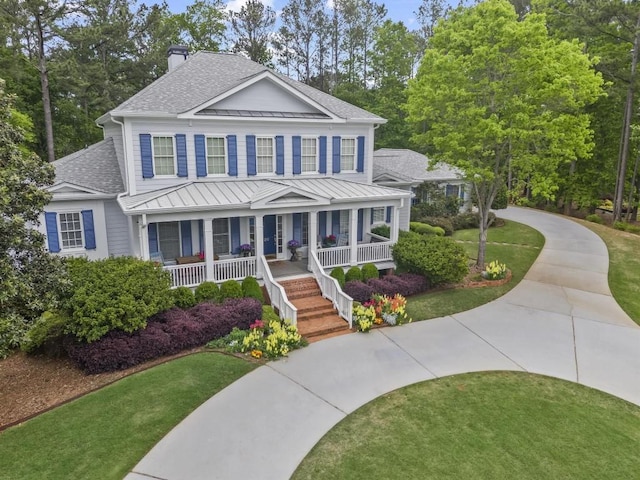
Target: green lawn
514,244
624,267
104,434
495,425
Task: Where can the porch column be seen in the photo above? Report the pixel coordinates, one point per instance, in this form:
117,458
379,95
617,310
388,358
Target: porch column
395,224
143,235
313,236
208,248
353,236
259,239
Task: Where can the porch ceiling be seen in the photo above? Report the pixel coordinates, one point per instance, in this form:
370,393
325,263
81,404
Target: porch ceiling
255,194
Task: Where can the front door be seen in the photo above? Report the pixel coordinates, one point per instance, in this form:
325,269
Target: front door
270,234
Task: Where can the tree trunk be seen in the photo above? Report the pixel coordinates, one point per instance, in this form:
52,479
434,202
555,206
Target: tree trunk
632,191
44,82
626,130
568,200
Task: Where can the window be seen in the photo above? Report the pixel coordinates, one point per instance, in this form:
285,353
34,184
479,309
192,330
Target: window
378,215
344,222
71,230
264,155
348,154
216,157
221,236
163,157
452,190
305,229
169,240
309,155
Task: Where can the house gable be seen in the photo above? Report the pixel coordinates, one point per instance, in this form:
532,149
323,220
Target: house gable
263,96
288,196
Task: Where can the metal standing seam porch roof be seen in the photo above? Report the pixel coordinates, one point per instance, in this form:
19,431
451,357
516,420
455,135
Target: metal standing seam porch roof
241,194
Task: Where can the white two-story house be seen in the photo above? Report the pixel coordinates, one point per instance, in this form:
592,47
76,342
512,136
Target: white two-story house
215,167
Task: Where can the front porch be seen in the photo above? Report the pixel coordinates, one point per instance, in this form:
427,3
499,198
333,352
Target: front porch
193,274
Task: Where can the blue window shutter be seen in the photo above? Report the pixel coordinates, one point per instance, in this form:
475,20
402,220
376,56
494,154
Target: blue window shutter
235,235
201,156
279,155
322,220
232,154
297,227
388,215
360,224
185,234
152,230
251,154
146,155
51,222
336,154
89,231
296,145
323,155
335,222
181,154
360,167
201,235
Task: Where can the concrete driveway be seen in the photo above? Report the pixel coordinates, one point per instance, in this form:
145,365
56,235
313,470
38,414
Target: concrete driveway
561,321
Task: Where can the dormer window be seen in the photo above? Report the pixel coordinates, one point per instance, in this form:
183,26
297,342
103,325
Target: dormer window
348,154
309,155
71,230
264,155
163,156
216,156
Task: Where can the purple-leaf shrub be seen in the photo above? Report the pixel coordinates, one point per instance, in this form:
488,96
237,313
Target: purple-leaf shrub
359,291
382,286
166,333
417,283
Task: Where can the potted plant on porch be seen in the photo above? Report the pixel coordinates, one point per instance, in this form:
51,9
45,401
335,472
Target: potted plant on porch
293,246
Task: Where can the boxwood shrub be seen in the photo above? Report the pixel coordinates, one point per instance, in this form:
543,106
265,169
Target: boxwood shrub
230,289
183,297
207,292
425,229
369,270
352,274
166,333
251,289
338,274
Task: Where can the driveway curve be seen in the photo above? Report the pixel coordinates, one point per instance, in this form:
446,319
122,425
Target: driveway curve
561,321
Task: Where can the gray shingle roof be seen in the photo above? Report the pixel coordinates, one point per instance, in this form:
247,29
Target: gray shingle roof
211,195
95,167
206,75
410,166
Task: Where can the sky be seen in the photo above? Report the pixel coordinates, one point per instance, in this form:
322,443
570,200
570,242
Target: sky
398,10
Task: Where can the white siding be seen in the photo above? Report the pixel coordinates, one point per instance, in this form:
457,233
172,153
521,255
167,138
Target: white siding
405,211
241,129
117,230
115,132
264,96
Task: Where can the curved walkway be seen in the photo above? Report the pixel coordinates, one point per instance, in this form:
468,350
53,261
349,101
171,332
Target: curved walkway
559,321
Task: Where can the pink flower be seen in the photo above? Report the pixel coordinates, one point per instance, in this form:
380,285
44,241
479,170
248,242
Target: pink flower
257,324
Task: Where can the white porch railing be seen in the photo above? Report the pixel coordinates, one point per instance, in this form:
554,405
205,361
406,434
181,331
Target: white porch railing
193,274
334,256
277,294
374,252
331,290
189,275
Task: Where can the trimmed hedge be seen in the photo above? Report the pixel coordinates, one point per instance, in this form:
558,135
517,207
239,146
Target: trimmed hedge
353,274
406,284
426,229
338,274
369,270
167,333
443,222
230,289
359,291
183,297
207,292
251,289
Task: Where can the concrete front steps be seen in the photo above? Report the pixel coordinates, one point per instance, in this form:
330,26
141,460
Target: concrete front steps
317,319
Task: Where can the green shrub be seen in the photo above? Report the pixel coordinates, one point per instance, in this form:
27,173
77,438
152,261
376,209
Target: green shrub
369,270
426,229
207,292
269,314
445,223
464,221
435,203
48,329
230,289
118,293
595,218
627,227
353,274
251,288
439,259
183,297
13,329
338,274
382,230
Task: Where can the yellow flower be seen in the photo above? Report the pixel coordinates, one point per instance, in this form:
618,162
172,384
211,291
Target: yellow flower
256,353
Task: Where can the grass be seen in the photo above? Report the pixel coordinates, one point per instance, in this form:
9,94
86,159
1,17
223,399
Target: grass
514,244
104,434
495,425
624,266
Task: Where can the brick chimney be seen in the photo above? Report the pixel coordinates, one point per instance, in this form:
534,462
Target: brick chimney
176,54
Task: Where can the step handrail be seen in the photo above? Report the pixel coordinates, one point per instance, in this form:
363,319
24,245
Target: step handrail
277,294
331,290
